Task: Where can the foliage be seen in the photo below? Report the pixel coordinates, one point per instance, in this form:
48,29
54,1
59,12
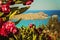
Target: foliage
7,11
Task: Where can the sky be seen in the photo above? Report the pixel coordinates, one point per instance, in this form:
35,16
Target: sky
45,5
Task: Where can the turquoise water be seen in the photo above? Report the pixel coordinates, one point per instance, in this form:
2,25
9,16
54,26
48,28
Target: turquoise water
36,22
25,23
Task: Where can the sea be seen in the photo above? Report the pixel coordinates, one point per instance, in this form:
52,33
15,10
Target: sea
26,23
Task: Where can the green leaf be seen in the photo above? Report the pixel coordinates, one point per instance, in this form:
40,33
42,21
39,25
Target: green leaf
17,22
1,14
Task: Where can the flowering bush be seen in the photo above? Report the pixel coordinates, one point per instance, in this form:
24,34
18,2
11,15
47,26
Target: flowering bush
7,28
6,12
35,34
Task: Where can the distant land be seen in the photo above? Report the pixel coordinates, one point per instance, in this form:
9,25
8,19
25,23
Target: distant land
31,16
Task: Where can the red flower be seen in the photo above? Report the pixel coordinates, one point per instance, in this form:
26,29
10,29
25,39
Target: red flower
3,32
28,2
5,8
10,27
15,31
31,25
